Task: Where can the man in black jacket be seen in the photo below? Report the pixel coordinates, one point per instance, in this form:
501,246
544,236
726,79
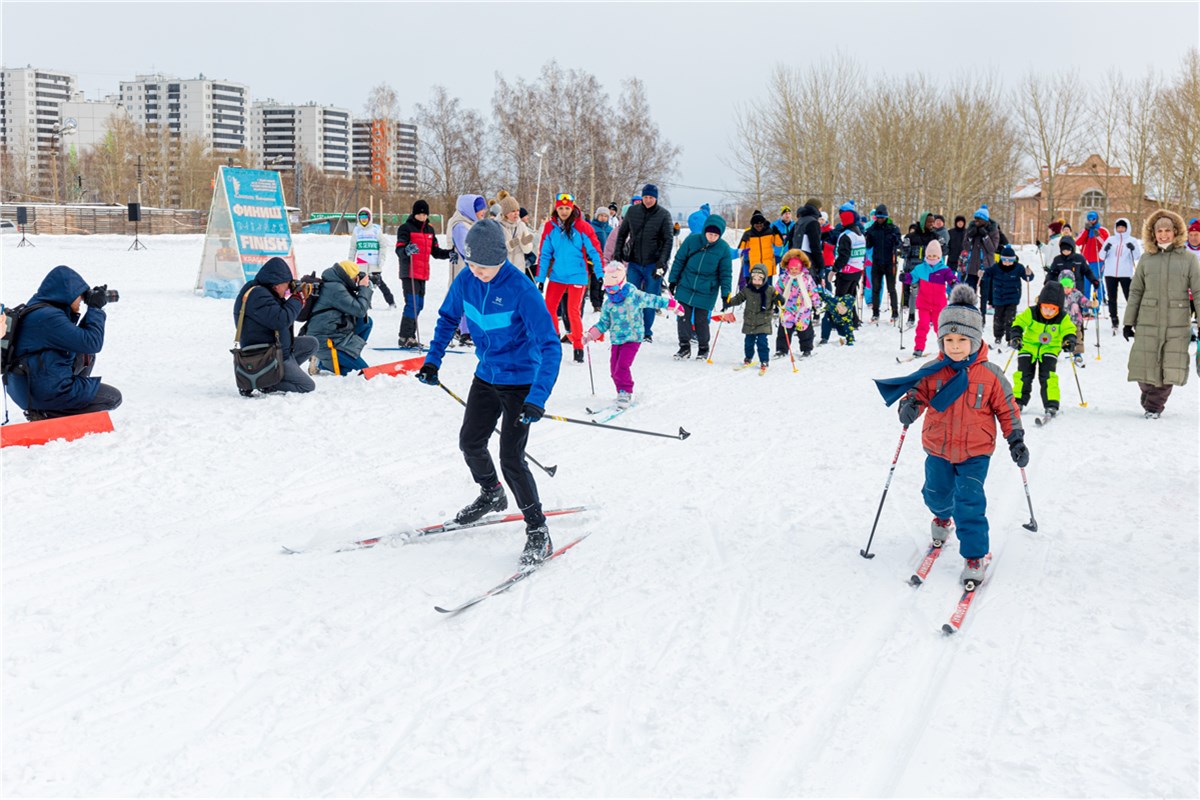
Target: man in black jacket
644,243
957,237
271,308
806,236
882,240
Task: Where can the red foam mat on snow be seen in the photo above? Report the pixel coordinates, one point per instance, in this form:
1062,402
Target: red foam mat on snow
394,368
27,434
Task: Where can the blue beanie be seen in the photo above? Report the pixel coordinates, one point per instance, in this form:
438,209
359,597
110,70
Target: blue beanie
480,204
650,190
982,213
1093,216
637,198
847,206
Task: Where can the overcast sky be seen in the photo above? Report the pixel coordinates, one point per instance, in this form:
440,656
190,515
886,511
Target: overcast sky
695,59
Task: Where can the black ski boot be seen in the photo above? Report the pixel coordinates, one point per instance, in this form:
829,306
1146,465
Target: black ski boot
489,500
578,354
702,354
538,546
685,352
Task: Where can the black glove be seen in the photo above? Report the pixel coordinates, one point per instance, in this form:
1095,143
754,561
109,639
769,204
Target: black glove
1014,342
1018,450
909,410
1127,332
376,278
1037,242
412,249
1130,246
1068,344
530,260
454,257
97,297
530,413
659,272
428,375
671,288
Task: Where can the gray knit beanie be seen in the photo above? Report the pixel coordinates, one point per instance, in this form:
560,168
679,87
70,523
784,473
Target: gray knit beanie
962,316
485,244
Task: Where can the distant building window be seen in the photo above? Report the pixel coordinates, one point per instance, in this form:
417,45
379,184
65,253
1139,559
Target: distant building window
1092,200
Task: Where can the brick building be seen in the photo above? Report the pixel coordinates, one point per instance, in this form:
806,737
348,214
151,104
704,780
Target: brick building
1089,186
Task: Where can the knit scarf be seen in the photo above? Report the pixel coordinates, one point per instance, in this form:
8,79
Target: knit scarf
893,389
618,295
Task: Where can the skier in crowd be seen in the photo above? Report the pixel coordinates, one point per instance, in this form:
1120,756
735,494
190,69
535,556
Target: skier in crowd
1006,277
621,319
340,320
416,243
1068,261
798,291
806,237
1120,254
931,277
602,229
568,254
1050,249
883,239
783,226
647,229
980,242
760,298
701,273
1075,304
1193,237
840,315
758,246
1089,241
1039,333
851,254
519,358
963,396
468,209
367,247
957,239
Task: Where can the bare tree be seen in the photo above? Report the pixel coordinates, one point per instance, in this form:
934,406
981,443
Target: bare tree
1048,109
748,154
452,158
1177,137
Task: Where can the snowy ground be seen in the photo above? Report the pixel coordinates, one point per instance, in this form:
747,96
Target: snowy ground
718,634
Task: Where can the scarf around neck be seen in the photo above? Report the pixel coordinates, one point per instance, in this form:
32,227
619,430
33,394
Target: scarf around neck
893,389
619,295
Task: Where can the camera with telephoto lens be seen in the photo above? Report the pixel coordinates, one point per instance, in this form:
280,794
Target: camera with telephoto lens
111,295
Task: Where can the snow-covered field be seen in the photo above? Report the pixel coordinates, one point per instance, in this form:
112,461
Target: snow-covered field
717,635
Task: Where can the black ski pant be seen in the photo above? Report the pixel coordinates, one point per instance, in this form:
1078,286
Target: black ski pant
1047,376
985,292
414,301
486,404
595,291
107,397
906,299
878,276
1110,284
377,280
1003,321
693,318
847,283
783,339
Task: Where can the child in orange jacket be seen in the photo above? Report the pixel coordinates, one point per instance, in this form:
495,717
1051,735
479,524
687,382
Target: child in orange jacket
966,395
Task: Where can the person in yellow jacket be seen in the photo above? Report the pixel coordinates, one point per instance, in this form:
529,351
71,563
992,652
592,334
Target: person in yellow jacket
1039,334
758,246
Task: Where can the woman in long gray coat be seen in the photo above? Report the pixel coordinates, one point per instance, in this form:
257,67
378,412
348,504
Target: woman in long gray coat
1158,317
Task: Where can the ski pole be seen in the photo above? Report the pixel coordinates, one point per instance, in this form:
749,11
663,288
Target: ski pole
1032,524
1006,363
548,470
591,377
866,552
716,336
1074,369
593,424
788,338
333,350
1096,312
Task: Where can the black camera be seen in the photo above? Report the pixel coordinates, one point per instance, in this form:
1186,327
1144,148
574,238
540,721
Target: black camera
113,295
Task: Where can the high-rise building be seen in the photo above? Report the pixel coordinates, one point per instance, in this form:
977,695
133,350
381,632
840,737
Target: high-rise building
89,120
386,154
283,134
215,111
30,121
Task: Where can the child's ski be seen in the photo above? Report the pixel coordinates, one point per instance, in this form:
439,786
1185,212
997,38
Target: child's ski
441,527
907,359
1044,419
741,367
511,580
608,413
926,565
964,603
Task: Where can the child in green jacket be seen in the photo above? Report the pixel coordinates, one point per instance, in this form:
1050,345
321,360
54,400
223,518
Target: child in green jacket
760,298
1040,332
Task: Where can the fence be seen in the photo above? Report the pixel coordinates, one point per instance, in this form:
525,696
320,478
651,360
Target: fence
105,219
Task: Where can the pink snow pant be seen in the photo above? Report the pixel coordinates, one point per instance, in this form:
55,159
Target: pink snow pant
619,363
931,299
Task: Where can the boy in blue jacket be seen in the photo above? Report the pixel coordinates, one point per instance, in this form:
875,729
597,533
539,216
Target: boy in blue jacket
519,357
1007,277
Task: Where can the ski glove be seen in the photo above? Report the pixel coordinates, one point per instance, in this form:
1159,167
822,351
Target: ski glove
909,410
1127,332
592,335
428,375
1068,344
412,249
454,257
1130,246
96,297
1015,342
530,413
659,272
1018,450
530,260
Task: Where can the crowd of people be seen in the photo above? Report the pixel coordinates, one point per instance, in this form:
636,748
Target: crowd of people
513,288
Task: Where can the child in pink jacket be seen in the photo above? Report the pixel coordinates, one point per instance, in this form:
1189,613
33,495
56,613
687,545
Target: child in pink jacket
933,276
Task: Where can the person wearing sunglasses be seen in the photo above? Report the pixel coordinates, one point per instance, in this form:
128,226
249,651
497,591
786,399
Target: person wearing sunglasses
1006,277
567,256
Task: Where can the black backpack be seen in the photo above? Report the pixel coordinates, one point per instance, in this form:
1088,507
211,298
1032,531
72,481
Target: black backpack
8,345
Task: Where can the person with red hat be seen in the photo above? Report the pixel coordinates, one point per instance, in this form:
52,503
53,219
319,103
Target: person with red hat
566,255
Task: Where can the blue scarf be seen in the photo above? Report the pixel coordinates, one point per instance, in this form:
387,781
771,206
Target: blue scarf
618,296
893,389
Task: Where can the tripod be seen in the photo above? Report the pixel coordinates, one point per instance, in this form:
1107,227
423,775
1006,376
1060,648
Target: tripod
25,242
137,244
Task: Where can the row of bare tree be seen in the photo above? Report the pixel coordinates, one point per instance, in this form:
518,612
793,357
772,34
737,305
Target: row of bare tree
916,145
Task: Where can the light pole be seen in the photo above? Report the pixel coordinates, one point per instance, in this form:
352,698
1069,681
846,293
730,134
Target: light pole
537,197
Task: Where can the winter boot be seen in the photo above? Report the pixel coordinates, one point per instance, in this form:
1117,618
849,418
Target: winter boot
407,342
464,340
578,356
624,399
918,353
566,337
702,354
538,546
762,369
647,339
972,574
1153,414
489,500
685,352
940,529
313,367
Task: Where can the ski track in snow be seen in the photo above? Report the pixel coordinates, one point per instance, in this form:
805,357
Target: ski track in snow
718,635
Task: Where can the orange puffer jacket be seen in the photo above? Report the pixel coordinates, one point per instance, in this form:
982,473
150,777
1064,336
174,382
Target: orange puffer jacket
968,427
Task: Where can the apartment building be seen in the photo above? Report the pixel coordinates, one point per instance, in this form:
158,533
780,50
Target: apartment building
386,154
283,134
218,112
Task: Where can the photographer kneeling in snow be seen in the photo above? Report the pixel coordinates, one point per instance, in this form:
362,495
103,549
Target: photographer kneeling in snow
54,352
271,308
340,317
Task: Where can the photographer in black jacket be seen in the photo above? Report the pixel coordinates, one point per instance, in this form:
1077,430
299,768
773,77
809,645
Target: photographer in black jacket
273,301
